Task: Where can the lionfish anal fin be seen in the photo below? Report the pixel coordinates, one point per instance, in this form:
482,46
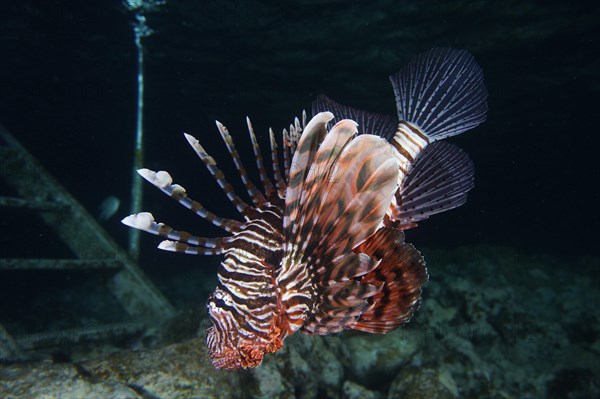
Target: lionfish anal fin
438,181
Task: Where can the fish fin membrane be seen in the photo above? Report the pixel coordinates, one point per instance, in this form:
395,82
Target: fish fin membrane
341,297
345,194
368,122
399,276
339,190
439,180
441,91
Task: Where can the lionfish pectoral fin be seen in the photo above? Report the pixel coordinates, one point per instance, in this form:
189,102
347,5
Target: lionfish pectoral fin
356,196
442,92
341,297
439,180
368,122
399,276
304,155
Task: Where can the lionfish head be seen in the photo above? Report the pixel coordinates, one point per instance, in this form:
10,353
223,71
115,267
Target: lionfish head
230,343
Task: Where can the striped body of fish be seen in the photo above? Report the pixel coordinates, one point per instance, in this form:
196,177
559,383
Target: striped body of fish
321,248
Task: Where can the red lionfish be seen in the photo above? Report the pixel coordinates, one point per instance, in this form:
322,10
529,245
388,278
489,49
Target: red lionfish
321,249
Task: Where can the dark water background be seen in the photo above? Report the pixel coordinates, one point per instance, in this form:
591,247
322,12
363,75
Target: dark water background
68,93
68,84
68,87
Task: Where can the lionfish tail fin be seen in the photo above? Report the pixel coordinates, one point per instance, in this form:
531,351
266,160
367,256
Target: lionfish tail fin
368,122
441,92
399,276
439,180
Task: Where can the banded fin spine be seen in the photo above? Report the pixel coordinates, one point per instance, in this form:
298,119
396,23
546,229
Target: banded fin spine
145,221
164,182
264,177
279,182
257,197
212,167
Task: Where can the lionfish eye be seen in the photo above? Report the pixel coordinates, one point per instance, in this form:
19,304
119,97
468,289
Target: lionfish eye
218,302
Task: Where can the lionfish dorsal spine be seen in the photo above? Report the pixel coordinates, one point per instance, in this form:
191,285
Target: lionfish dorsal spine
163,181
182,240
279,181
218,175
257,196
264,177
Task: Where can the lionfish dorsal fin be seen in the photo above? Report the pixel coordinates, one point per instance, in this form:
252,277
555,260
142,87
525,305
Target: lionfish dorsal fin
163,181
218,175
368,122
257,196
182,240
264,177
279,181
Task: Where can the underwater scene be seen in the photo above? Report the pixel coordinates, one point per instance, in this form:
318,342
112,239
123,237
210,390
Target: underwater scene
369,199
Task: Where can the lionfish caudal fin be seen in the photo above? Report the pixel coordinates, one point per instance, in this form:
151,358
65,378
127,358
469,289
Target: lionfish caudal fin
439,94
339,189
182,241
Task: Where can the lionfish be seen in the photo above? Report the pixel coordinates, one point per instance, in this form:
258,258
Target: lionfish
321,248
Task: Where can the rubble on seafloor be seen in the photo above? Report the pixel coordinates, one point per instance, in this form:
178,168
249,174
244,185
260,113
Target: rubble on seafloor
494,323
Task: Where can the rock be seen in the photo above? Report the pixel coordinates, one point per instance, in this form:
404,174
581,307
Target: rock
62,380
417,383
176,371
375,357
356,391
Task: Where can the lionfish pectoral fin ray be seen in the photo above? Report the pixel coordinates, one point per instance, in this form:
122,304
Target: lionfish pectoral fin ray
145,221
163,181
321,172
303,158
400,275
218,175
442,92
368,122
439,180
356,197
342,298
257,197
